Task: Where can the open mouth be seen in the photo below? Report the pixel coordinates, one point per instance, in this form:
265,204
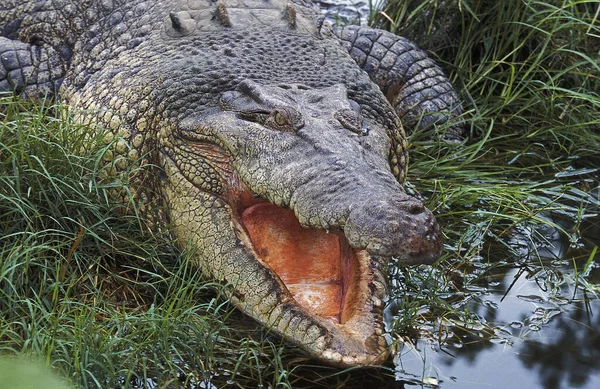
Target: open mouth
318,268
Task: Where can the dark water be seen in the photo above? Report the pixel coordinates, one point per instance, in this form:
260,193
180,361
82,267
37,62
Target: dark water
537,341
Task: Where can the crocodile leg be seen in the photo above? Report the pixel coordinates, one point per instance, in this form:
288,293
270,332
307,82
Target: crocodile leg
27,69
412,82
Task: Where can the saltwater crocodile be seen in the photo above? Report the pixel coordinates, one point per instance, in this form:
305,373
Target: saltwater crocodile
270,141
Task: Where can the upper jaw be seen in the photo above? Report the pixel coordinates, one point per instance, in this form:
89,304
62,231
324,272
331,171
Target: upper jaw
338,186
343,189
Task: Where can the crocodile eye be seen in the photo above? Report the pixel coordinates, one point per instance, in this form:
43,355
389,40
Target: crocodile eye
286,119
280,119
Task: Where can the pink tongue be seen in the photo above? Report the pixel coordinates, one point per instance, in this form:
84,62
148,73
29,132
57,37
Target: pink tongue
308,261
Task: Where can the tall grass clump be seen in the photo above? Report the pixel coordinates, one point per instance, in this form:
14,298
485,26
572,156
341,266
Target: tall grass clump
528,73
531,66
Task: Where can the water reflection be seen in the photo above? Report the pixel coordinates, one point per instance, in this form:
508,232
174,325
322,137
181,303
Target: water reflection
571,358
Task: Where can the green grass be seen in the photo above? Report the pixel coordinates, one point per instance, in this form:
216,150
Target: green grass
105,303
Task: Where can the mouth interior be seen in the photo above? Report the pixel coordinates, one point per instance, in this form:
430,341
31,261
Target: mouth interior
316,267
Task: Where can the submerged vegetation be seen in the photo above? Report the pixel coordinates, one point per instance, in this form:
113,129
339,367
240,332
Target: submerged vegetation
85,287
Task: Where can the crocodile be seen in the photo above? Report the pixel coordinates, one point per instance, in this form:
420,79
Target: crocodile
270,141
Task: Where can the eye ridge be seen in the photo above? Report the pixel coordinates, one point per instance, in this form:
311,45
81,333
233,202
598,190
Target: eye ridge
351,120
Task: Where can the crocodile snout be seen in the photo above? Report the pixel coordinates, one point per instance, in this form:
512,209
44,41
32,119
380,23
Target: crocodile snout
400,227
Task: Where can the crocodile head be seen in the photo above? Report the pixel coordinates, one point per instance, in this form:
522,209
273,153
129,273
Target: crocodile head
288,195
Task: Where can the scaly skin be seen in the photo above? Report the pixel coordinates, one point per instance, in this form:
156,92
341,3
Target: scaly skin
248,109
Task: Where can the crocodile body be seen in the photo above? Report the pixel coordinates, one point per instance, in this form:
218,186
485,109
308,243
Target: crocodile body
269,140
